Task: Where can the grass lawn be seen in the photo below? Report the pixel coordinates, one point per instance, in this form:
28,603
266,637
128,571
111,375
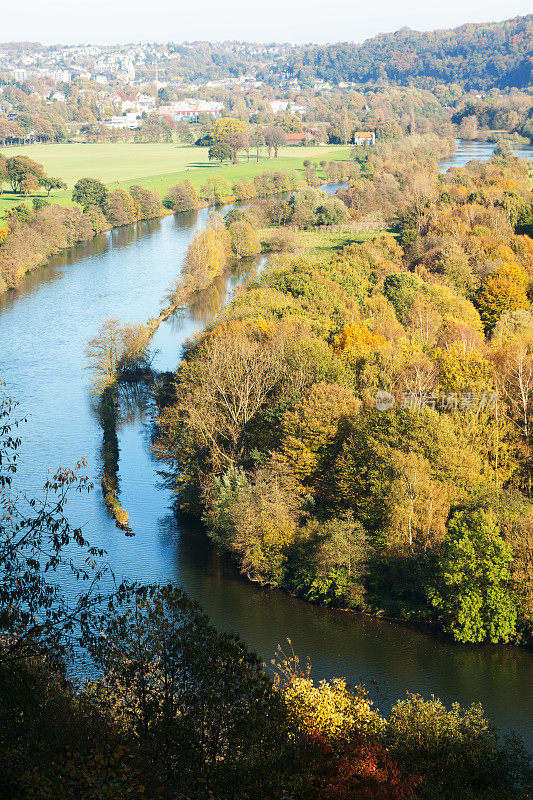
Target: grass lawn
154,166
326,241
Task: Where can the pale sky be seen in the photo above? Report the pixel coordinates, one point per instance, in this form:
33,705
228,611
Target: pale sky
110,21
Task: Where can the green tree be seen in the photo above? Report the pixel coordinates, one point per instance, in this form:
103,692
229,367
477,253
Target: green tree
89,192
331,212
51,183
472,590
456,753
220,151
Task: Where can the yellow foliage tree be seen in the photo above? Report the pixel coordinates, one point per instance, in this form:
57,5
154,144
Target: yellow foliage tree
310,429
330,710
503,290
232,132
357,335
208,254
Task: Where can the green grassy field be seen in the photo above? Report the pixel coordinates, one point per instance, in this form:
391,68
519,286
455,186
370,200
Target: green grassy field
154,166
325,241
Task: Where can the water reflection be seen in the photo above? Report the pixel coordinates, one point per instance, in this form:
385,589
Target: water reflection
388,657
480,151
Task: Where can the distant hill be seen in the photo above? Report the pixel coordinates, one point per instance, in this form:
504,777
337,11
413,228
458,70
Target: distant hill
477,56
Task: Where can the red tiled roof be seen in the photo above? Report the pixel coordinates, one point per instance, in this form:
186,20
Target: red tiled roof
296,137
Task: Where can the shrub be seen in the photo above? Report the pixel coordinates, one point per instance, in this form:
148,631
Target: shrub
119,208
182,197
282,240
244,240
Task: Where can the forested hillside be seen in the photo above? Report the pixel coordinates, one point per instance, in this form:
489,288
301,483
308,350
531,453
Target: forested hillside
477,56
355,426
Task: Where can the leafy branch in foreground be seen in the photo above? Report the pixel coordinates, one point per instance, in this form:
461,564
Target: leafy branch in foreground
35,536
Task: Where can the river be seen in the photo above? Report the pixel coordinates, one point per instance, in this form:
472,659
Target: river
44,327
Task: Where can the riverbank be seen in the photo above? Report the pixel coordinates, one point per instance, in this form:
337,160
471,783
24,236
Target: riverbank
33,236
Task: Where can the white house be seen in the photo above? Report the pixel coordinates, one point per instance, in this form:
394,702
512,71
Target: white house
189,109
129,120
364,138
287,105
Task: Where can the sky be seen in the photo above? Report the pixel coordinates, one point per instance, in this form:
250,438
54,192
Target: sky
118,21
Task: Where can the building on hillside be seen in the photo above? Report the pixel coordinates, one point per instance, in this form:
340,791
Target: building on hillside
304,137
61,75
189,110
129,120
364,138
287,105
146,103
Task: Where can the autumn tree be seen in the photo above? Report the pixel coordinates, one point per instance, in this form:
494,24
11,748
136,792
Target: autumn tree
148,204
310,429
274,139
244,239
29,185
20,167
503,290
117,349
255,520
231,132
220,391
513,360
119,207
182,197
197,701
208,252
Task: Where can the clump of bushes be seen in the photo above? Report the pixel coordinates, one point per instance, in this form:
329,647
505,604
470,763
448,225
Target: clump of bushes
282,240
182,197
